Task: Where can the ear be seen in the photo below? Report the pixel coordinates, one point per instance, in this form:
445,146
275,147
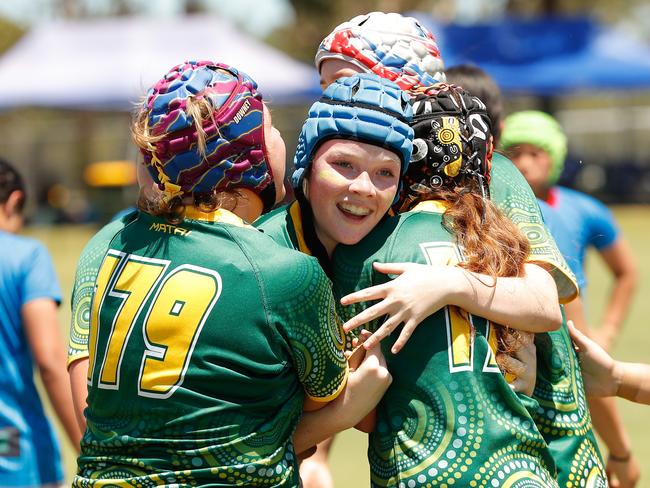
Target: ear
305,188
13,204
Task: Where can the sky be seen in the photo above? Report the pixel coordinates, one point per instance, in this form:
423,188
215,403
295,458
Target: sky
257,17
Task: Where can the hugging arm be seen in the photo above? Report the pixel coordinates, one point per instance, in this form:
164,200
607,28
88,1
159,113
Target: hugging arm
528,303
365,387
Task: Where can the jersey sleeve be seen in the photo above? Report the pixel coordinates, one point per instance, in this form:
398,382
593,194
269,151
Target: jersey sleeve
308,321
39,280
603,230
514,197
84,286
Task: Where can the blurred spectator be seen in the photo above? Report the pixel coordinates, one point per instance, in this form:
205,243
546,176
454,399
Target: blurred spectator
29,333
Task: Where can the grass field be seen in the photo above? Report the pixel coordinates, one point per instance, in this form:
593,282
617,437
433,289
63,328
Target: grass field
348,460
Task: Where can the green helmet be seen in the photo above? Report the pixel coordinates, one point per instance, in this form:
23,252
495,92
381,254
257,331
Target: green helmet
539,129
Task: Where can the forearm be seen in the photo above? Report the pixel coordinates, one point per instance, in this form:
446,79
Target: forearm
528,303
609,425
42,333
57,387
633,381
365,387
619,303
619,259
78,371
314,427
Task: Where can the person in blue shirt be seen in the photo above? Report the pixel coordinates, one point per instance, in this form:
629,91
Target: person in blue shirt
29,333
537,145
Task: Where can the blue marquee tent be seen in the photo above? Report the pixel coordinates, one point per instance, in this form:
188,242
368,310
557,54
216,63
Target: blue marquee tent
547,56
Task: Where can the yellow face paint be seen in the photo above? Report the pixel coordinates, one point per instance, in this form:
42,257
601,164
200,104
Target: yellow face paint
329,175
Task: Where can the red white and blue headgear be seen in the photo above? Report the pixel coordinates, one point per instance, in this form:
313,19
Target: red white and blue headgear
390,45
452,142
235,154
364,108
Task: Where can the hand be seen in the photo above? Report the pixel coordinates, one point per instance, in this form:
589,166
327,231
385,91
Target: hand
522,364
356,355
410,298
598,368
623,474
366,386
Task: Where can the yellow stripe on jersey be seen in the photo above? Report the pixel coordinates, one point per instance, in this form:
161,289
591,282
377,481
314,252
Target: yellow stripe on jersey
296,219
433,206
219,215
334,395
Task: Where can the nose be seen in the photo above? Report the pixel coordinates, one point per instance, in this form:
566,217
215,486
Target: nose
523,163
362,185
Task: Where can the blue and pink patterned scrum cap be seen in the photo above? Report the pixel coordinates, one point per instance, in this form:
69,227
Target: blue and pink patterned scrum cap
390,45
235,153
364,108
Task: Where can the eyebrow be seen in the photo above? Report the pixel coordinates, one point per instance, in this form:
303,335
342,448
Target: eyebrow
343,153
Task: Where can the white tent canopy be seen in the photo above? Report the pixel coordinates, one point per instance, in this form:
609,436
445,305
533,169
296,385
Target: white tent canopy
109,63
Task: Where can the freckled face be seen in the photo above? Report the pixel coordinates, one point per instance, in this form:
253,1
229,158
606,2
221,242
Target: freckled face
351,187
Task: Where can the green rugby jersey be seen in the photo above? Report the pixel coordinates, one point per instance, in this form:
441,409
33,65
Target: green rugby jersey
205,338
563,414
449,416
511,193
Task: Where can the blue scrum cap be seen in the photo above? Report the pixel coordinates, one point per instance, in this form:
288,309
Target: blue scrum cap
364,108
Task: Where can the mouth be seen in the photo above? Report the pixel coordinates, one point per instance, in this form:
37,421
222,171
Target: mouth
353,212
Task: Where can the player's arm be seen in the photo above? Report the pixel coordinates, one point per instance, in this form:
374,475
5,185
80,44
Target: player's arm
78,373
88,266
78,346
528,303
42,331
345,397
365,387
621,263
604,376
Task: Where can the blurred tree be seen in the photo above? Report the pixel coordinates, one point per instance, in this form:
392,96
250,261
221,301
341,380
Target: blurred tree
194,7
9,34
122,8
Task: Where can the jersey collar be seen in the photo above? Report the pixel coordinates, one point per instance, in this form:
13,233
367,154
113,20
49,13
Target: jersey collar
552,197
220,215
433,206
